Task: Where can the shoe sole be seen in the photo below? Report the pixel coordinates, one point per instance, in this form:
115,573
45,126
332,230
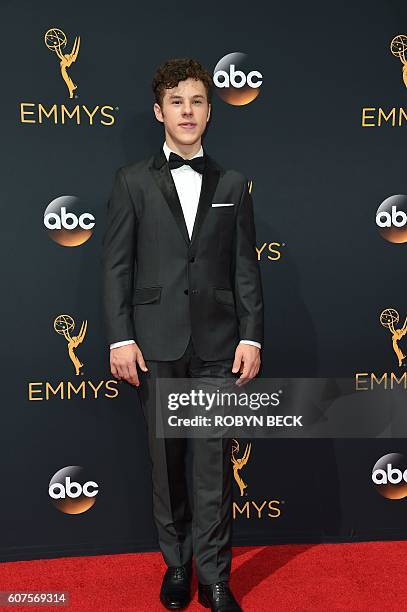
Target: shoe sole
174,607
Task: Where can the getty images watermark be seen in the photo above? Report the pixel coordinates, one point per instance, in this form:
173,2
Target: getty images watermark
221,401
266,408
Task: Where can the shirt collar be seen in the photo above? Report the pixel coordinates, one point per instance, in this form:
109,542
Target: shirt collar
167,151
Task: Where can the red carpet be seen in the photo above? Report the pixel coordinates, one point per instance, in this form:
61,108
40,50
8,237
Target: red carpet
368,576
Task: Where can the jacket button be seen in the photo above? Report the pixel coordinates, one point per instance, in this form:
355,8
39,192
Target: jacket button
186,291
192,260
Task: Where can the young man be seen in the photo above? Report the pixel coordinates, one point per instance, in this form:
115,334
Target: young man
183,298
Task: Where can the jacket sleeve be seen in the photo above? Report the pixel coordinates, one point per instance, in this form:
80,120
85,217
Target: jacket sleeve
118,260
247,280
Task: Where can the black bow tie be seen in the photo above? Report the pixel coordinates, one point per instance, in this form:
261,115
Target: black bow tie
197,163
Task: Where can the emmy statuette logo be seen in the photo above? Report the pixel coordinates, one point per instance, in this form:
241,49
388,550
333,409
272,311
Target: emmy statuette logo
55,40
393,115
250,508
239,463
88,113
398,47
63,325
75,386
396,378
389,318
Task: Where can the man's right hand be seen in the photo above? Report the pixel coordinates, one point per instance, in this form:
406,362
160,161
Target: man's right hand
123,360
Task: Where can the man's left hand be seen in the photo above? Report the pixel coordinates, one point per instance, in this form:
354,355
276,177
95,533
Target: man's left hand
247,361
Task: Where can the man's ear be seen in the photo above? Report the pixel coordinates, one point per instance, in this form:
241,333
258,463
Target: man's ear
158,112
209,112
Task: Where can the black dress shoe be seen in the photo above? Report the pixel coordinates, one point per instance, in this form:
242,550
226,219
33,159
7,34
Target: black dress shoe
218,597
175,591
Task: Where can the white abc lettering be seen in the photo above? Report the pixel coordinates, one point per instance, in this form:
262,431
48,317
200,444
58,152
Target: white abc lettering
87,489
224,82
237,74
237,78
397,218
390,475
85,225
68,220
73,489
57,491
52,221
251,82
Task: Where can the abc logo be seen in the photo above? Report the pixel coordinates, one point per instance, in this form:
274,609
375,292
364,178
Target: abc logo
390,476
65,222
391,219
71,492
235,82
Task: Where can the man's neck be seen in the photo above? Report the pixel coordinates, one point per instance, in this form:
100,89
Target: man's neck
186,151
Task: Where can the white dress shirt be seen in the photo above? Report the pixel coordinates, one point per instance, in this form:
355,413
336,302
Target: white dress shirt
188,184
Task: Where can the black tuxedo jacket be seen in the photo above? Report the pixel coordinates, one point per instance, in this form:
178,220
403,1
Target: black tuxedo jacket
160,287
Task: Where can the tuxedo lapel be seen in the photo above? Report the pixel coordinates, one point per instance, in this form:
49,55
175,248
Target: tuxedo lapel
162,175
210,179
165,182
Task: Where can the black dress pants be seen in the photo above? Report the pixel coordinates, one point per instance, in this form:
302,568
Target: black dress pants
205,530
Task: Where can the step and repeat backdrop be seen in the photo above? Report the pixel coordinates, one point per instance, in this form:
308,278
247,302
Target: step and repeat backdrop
310,103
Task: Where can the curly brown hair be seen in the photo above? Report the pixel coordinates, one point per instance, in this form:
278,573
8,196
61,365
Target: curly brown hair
171,72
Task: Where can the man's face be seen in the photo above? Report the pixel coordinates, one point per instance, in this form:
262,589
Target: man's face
185,112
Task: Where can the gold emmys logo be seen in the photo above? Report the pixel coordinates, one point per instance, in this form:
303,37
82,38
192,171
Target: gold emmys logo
368,381
395,116
37,113
55,39
80,388
63,324
273,251
398,47
238,463
388,318
252,508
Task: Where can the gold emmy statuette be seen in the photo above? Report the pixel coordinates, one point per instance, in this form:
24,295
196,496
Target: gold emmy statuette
398,47
55,40
388,318
238,463
63,324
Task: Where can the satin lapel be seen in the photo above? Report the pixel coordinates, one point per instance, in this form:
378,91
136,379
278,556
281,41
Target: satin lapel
210,179
165,182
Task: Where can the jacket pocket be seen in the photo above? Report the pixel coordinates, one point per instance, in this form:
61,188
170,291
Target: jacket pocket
146,295
224,296
223,209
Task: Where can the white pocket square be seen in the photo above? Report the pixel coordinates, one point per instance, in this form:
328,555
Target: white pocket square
223,204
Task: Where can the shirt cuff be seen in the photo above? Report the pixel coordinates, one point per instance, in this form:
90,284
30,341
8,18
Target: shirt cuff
252,342
122,343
